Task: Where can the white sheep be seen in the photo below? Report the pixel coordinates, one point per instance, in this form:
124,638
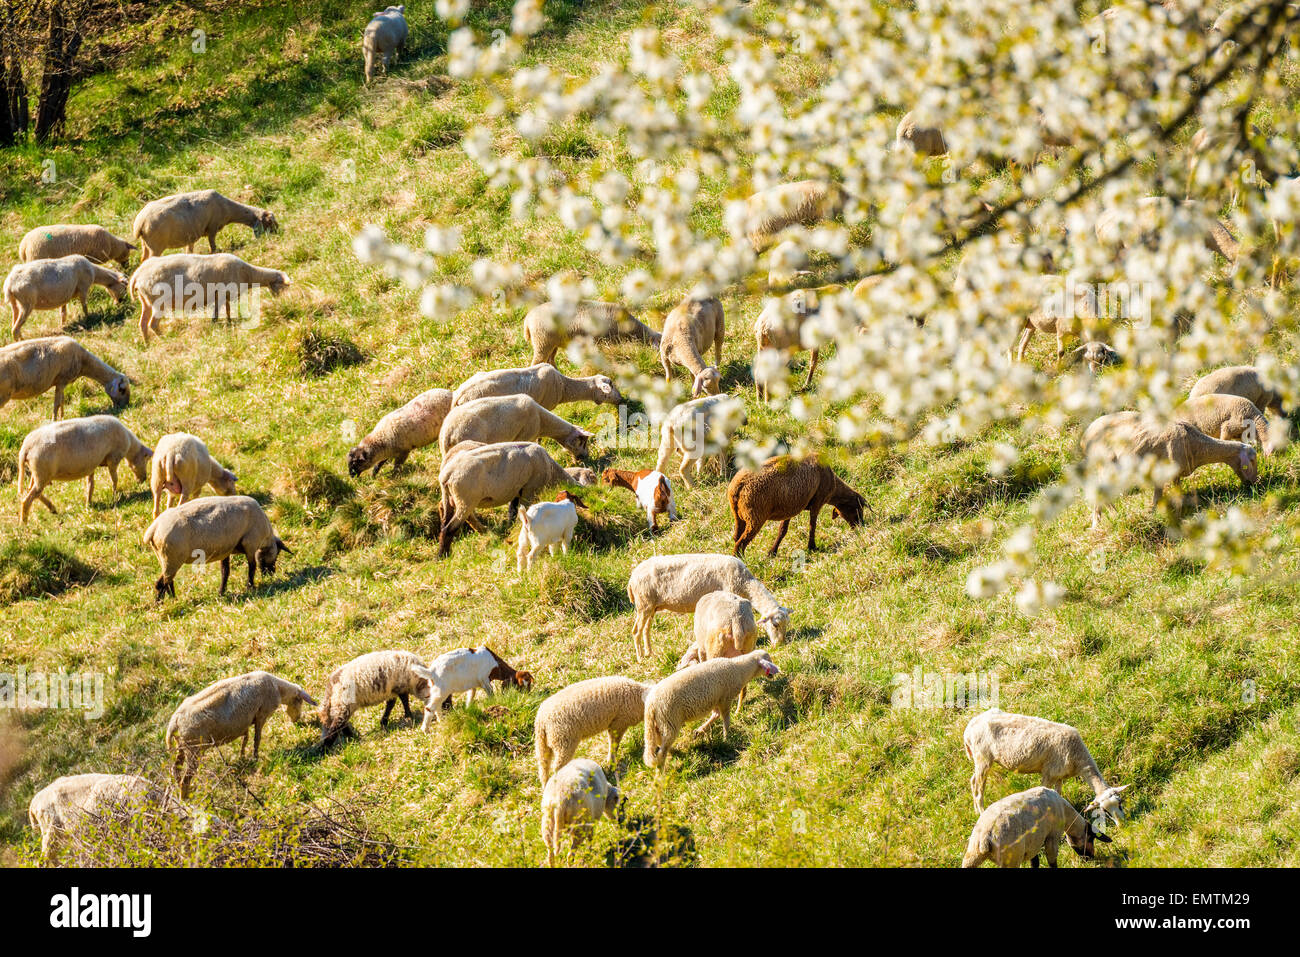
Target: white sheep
676,583
401,432
185,218
779,326
94,242
464,670
581,710
547,525
601,322
72,450
806,202
688,331
212,529
380,677
546,385
183,282
1229,417
510,418
1018,827
709,688
701,429
53,283
1245,381
384,38
67,804
925,140
724,628
574,800
181,467
225,711
28,369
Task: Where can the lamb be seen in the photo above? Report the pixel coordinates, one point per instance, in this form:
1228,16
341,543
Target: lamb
1128,434
184,281
724,628
706,689
53,283
1245,381
543,382
806,202
1016,828
28,368
574,800
384,38
225,711
605,322
467,670
700,429
547,525
94,242
1230,417
67,804
380,677
1029,745
1098,355
185,218
487,476
584,709
211,529
925,140
779,326
401,432
510,418
677,582
688,330
780,490
653,492
181,467
72,450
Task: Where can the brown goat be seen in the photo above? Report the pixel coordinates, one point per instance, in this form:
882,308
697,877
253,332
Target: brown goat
655,500
783,488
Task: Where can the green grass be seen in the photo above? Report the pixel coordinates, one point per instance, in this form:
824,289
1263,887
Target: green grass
1150,657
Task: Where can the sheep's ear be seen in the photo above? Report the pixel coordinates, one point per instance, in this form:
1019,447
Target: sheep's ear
1104,838
1090,806
423,672
308,699
282,547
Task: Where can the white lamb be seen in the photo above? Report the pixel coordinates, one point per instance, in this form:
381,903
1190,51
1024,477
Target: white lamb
181,467
574,800
464,670
583,709
701,430
547,525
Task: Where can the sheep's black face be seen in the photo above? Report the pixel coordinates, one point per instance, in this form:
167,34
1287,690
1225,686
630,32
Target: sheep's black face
1087,846
358,461
119,390
266,220
851,511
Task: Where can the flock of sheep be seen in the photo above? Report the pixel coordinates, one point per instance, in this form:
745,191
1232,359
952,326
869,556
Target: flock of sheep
488,432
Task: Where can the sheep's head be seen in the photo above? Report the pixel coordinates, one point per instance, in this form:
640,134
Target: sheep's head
224,482
360,458
767,666
708,382
776,622
1084,845
851,509
266,223
117,288
606,391
423,690
567,496
293,706
1247,466
278,283
119,389
579,443
140,462
612,797
1109,801
267,556
584,477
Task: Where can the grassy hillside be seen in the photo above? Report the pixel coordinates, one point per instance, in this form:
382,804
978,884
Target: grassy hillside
1150,654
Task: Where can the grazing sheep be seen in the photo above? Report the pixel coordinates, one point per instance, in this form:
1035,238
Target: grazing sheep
211,529
805,203
700,429
1129,434
605,322
574,800
783,488
94,242
677,582
1229,417
53,283
487,476
384,38
464,670
185,281
1030,745
380,677
1245,381
653,492
1053,317
68,803
779,326
401,432
509,418
1016,828
547,386
547,525
28,368
709,688
688,330
72,450
1098,355
582,710
925,140
185,218
225,711
181,467
724,628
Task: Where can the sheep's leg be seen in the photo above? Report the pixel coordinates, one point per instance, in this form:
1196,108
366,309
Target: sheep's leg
388,710
726,720
473,522
1050,847
812,367
63,315
19,318
1024,342
521,555
699,732
212,241
58,402
90,488
25,504
977,784
48,504
243,745
146,314
668,372
615,738
225,575
405,698
112,475
85,307
257,739
780,534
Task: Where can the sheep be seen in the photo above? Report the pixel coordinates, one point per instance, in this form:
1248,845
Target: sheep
1029,745
724,627
210,529
605,322
181,467
574,800
68,803
1120,226
401,432
677,582
925,140
706,689
653,492
688,330
1128,434
183,281
700,429
779,326
547,525
53,283
487,476
185,218
1057,318
28,368
225,711
384,38
1096,354
1016,828
584,709
380,677
806,202
1229,417
543,382
1245,381
72,450
510,418
464,670
779,491
94,242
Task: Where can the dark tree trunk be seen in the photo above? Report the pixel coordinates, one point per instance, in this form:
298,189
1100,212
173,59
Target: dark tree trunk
62,41
13,90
